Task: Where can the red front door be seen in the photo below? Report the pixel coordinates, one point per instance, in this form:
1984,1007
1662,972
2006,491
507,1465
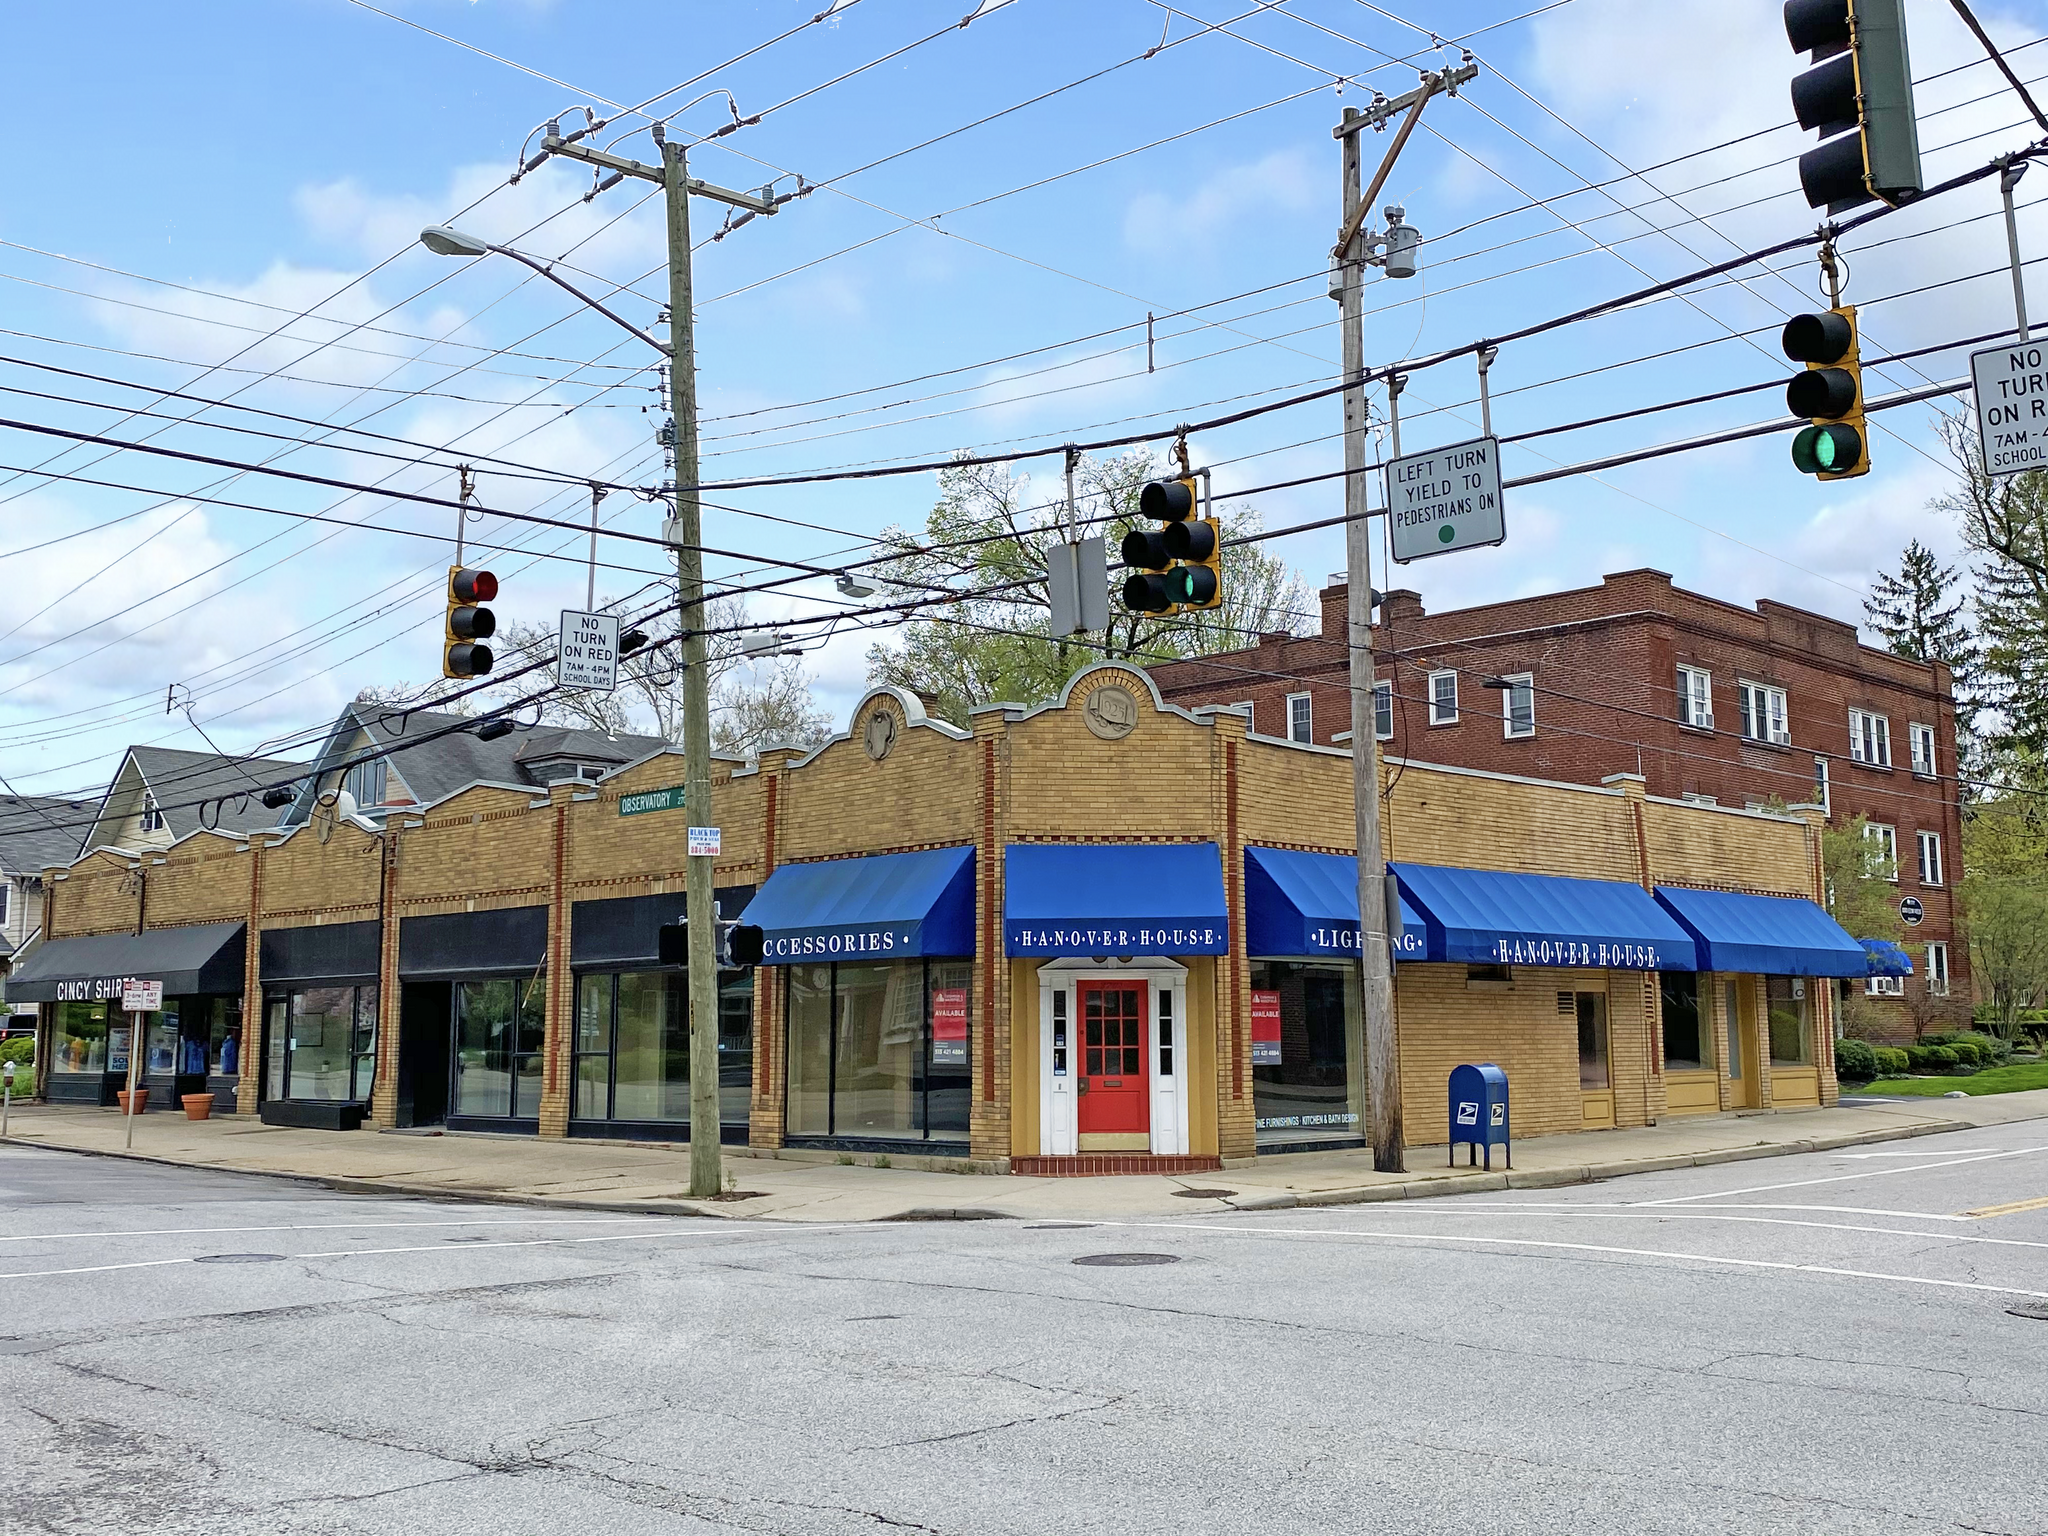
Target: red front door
1112,1086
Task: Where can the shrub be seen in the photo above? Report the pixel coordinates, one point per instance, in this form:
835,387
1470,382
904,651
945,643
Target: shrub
1920,1057
1855,1061
1943,1056
22,1049
1967,1053
1893,1061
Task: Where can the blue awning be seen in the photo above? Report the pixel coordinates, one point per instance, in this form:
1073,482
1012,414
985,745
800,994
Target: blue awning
1114,899
1886,958
885,907
1307,904
1492,917
1764,935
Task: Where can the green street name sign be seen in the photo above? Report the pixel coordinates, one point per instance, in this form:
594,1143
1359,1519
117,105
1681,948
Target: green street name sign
670,799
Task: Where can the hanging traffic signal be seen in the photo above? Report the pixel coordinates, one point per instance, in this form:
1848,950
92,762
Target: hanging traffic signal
1156,588
1197,581
1829,394
1859,94
469,623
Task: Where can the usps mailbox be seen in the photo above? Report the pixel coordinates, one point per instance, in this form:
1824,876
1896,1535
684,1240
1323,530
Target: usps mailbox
1479,1112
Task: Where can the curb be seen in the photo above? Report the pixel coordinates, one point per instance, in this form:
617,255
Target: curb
1363,1194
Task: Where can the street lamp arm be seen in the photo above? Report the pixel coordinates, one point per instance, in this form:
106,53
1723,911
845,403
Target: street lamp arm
617,319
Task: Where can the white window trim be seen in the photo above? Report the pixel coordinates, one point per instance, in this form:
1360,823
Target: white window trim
1507,705
1307,700
1937,974
1821,783
152,816
1887,840
1877,751
1378,690
1695,681
6,901
1931,871
1775,728
1435,718
1251,719
1915,734
1058,1111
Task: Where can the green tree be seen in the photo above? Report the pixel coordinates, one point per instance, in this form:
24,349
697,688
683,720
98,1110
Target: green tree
2004,892
2004,522
987,538
1920,614
1861,895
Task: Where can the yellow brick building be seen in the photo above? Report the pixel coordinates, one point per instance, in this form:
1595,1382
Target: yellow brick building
1102,934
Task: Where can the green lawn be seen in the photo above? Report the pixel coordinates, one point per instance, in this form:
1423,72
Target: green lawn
2016,1079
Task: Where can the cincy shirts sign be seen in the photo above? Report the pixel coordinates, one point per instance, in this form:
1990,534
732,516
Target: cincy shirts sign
1194,937
882,942
1584,954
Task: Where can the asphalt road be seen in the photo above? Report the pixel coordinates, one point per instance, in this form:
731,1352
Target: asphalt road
1814,1344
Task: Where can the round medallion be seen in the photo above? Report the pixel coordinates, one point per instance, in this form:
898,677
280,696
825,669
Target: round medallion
879,734
1111,712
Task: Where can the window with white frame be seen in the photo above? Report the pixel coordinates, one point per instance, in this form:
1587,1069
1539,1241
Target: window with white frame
1920,743
1300,718
1764,714
366,781
1820,786
152,818
1930,858
1696,698
6,892
1937,970
1885,986
1251,718
1518,705
1383,711
1881,851
1870,739
1443,698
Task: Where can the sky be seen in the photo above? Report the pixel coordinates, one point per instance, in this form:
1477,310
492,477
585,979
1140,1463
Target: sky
224,201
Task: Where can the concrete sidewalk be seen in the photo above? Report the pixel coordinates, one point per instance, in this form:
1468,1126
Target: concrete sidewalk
811,1186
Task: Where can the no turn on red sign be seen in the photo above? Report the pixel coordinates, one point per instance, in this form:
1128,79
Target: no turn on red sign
2011,384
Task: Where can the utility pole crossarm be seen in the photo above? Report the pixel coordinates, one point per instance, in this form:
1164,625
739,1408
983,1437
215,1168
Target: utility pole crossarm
754,202
1446,81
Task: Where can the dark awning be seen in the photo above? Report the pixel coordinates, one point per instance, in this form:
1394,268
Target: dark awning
625,931
320,952
1764,935
1114,899
887,906
1307,904
1494,917
204,958
508,941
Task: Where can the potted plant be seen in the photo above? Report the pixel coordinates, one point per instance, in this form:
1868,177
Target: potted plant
198,1106
141,1097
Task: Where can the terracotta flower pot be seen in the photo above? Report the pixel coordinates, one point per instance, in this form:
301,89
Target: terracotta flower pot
141,1097
198,1106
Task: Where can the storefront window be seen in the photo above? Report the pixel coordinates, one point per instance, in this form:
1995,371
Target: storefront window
224,1038
633,1046
79,1039
1592,1011
499,1029
1685,1047
1788,1012
1308,1051
160,1040
879,1051
323,1044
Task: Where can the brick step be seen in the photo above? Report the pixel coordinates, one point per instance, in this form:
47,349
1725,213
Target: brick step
1093,1164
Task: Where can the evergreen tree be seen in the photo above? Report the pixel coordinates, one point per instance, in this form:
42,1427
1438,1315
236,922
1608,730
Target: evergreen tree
1920,614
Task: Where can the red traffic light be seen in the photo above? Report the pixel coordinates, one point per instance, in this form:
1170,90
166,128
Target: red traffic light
467,586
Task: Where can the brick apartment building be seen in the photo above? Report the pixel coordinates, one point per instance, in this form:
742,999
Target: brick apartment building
1709,701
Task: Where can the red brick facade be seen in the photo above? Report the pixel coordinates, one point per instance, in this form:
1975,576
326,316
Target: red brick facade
1602,665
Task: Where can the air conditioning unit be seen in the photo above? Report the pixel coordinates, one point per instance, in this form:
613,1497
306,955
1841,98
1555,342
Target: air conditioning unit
1706,722
1781,738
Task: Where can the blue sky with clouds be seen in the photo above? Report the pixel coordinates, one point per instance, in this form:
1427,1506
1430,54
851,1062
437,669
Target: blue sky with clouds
224,200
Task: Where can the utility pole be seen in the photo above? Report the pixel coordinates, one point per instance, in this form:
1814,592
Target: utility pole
685,534
1375,956
1378,904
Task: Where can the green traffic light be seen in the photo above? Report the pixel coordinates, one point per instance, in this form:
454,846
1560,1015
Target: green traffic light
1829,449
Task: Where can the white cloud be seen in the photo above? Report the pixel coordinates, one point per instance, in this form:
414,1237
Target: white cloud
1159,223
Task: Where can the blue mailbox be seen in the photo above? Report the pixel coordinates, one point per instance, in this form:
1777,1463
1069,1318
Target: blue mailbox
1479,1112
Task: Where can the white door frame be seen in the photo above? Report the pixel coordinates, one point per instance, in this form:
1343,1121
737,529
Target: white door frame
1166,1093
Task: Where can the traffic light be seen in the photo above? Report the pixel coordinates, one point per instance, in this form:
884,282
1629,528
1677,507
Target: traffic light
469,622
1829,394
1146,550
1859,94
1197,581
737,946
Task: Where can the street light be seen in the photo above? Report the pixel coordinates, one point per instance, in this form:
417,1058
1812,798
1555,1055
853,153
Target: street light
444,241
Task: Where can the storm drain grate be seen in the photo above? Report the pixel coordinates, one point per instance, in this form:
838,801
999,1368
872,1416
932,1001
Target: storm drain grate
239,1258
2037,1310
1126,1260
1205,1194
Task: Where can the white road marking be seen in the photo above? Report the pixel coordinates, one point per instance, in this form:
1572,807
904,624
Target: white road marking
317,1226
1489,1207
1714,1213
1633,1253
1837,1178
1943,1152
537,1242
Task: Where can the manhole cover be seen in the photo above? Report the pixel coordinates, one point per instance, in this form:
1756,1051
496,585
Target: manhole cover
239,1258
2037,1310
1205,1194
1126,1260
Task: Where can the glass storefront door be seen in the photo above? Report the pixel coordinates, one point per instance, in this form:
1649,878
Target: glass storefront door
1308,1052
500,1027
633,1047
878,1051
